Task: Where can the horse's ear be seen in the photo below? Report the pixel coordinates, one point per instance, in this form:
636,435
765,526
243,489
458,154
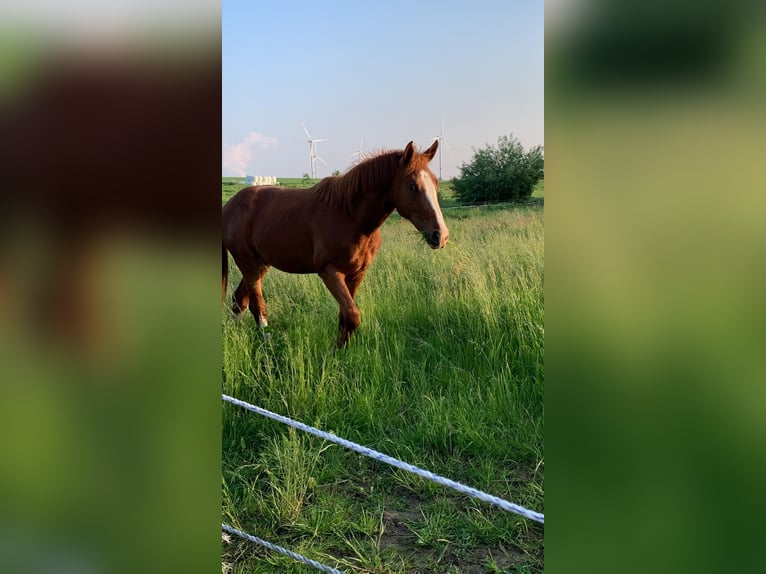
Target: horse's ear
431,152
409,152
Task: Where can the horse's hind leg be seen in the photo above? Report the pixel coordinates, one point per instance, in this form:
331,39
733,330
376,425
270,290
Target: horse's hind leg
258,305
240,299
248,294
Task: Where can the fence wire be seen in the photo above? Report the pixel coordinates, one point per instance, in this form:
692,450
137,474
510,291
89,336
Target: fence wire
279,549
376,455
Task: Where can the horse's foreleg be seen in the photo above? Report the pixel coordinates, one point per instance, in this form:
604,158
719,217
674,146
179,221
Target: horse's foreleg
350,317
353,282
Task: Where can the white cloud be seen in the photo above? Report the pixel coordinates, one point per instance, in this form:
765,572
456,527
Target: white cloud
236,157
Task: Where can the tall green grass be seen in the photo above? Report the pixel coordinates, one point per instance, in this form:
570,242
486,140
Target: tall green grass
445,372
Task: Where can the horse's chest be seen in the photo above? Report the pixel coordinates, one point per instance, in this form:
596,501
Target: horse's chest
362,253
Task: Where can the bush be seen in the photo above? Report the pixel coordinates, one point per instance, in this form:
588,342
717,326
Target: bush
504,173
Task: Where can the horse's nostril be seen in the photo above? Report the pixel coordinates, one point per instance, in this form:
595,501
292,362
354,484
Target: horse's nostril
436,236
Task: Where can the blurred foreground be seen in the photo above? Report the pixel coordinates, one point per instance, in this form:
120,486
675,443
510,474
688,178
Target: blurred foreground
655,248
109,305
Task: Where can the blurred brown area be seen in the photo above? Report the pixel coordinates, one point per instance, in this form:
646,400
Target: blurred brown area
655,243
110,141
104,143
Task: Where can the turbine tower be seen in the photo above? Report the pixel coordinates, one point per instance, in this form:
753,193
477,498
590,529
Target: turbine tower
313,155
442,143
360,153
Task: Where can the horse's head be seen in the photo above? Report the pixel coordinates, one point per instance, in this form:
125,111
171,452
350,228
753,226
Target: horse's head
415,195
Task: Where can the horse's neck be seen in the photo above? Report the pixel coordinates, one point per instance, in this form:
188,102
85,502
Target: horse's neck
373,209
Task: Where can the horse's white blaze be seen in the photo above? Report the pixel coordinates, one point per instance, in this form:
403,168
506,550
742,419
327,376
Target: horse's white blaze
432,196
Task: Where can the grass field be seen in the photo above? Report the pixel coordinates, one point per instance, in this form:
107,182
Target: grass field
445,372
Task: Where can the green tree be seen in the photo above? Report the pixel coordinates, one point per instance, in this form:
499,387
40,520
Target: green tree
502,173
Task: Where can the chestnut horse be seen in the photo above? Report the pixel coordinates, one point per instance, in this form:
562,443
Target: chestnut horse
331,229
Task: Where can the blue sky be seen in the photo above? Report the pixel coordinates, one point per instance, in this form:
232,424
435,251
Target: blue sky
388,72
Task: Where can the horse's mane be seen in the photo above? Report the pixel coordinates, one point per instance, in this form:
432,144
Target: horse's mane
367,176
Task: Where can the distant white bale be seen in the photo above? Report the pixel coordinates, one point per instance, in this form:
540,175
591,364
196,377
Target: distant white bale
261,180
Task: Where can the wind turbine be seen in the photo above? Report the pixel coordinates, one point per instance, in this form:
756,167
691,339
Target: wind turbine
442,143
313,155
359,153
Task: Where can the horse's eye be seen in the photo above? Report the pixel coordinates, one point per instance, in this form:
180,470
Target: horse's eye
413,186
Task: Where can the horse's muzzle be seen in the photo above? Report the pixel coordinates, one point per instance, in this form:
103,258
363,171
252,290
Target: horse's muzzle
436,239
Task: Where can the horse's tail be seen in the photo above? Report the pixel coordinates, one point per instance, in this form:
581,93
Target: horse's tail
225,273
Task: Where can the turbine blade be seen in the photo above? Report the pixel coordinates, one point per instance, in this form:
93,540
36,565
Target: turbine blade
320,159
306,130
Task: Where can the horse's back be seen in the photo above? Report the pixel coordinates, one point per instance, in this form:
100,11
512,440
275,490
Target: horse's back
273,222
247,204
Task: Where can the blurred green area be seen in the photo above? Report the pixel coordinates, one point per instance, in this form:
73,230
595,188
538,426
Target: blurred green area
655,280
107,454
